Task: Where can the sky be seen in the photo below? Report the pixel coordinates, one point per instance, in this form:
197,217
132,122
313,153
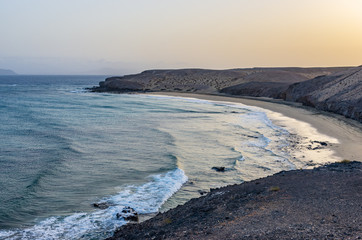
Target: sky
128,36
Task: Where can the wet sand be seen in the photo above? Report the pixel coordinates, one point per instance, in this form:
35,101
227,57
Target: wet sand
348,132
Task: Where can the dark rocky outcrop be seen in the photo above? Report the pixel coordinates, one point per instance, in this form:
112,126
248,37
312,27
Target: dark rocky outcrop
116,84
219,169
322,203
101,205
128,214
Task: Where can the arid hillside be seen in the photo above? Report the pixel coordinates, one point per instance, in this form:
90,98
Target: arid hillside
340,92
209,81
321,203
337,90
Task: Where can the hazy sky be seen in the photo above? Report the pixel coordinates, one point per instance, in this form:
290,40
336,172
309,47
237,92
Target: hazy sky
124,36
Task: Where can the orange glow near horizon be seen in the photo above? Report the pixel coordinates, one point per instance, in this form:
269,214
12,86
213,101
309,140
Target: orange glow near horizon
178,34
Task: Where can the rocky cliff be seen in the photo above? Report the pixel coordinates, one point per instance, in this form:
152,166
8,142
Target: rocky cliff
336,90
339,92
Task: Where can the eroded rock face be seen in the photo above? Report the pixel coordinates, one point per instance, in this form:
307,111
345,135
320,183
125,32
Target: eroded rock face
339,93
258,89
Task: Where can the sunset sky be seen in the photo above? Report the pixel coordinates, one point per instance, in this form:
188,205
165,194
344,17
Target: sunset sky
125,36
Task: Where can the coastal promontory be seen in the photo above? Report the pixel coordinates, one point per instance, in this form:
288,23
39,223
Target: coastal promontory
7,72
335,89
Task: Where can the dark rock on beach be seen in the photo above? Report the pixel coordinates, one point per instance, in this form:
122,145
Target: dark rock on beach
128,214
219,169
322,203
202,192
321,143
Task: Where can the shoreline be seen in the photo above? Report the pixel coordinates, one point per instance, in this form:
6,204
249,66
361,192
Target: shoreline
319,203
348,132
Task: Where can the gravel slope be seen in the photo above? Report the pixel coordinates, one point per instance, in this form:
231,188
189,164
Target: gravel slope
323,203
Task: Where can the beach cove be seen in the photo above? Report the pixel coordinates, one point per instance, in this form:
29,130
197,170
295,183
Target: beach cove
149,153
310,103
298,204
173,120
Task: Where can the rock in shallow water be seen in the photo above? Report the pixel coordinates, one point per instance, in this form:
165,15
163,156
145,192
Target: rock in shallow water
219,169
128,214
101,205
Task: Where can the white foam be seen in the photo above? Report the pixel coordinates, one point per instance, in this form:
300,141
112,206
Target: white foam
305,132
146,198
306,135
79,91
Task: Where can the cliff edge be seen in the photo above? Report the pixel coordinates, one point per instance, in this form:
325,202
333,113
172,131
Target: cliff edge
322,203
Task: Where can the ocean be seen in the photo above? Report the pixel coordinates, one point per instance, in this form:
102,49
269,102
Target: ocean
63,148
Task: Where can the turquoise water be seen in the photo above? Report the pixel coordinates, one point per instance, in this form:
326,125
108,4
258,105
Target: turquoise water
63,149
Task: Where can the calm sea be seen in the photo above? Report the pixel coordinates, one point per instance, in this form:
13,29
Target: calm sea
63,149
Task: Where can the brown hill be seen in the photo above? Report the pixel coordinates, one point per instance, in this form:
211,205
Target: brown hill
209,81
340,92
337,90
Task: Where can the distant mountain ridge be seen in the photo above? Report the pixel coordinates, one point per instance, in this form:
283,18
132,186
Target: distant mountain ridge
6,72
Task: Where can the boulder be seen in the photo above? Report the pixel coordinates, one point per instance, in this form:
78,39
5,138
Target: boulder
128,214
101,205
219,169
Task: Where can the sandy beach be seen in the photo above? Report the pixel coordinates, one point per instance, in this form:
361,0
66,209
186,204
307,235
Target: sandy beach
348,132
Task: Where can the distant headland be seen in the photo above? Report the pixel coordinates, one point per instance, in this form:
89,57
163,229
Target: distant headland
7,72
333,89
